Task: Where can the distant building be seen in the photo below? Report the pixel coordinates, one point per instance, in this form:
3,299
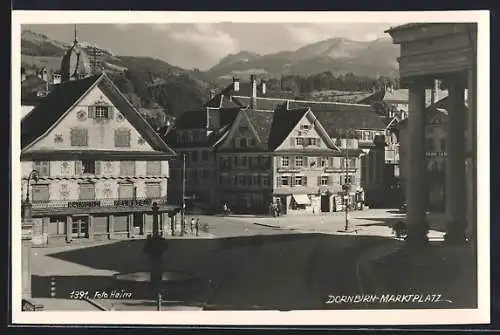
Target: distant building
100,164
251,150
436,151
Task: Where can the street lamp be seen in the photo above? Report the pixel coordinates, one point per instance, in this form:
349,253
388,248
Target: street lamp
154,248
27,206
183,223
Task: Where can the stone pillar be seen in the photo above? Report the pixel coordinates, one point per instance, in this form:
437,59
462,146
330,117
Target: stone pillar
471,156
417,167
111,226
130,225
456,224
91,227
69,226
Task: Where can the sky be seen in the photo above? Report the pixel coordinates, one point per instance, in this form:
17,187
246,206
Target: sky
202,45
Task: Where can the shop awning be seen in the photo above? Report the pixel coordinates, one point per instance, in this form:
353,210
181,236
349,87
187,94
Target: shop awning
301,199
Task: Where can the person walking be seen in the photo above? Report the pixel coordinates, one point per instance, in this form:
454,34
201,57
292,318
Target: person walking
197,226
192,225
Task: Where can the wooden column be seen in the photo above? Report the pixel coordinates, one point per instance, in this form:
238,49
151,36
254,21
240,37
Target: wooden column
416,190
455,165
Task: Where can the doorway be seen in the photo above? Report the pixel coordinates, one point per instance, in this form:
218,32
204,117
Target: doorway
80,227
325,203
138,223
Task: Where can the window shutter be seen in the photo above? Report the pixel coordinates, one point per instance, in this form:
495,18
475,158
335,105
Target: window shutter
353,180
91,112
319,161
330,180
110,112
319,181
292,141
97,167
304,181
278,181
318,142
291,181
78,168
304,163
341,180
330,161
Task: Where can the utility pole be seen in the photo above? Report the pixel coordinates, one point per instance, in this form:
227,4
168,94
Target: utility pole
183,223
347,184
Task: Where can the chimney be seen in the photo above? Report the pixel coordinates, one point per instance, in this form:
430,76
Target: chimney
263,87
236,84
253,100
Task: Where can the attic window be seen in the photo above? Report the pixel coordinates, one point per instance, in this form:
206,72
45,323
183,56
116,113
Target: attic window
100,112
304,127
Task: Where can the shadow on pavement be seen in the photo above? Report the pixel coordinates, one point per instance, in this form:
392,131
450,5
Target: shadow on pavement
289,271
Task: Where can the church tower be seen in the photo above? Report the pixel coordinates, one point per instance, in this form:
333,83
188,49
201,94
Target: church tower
75,62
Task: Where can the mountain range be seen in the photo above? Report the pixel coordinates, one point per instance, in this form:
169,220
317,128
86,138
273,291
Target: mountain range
155,84
337,55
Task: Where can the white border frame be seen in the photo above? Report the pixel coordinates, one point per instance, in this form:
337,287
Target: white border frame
357,317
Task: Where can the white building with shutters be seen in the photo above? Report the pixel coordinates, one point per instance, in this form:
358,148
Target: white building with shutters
100,164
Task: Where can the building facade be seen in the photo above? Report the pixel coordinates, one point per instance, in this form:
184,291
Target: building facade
99,165
251,151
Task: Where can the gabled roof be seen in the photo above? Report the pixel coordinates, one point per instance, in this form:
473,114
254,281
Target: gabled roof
283,123
339,116
262,123
58,102
264,104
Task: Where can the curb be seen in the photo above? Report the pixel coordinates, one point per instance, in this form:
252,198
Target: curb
266,225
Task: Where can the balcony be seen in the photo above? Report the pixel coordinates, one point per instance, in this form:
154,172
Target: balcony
110,203
289,169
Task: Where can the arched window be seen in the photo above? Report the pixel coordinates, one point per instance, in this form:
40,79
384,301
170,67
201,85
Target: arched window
243,143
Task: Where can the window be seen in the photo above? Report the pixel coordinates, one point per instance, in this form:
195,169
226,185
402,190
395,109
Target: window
127,168
265,180
88,166
204,155
285,161
304,127
153,190
299,141
323,180
87,191
43,168
189,136
122,138
126,191
346,180
300,181
194,156
256,180
324,162
79,137
443,144
429,144
285,180
299,160
349,143
39,192
243,143
153,168
101,112
312,141
352,163
242,180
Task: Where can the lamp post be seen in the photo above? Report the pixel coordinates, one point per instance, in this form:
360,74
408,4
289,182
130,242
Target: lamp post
346,187
183,223
154,248
27,205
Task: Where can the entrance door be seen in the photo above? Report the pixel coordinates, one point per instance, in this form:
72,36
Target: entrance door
325,203
80,227
139,222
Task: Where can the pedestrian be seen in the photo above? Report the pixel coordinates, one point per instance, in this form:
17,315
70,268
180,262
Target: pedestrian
197,226
192,225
